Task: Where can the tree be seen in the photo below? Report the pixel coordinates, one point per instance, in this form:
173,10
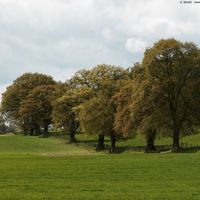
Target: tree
171,88
18,92
37,108
123,119
97,113
66,107
3,126
133,109
64,113
97,118
84,88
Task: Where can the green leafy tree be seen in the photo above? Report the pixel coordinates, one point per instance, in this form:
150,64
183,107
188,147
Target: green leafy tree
133,109
106,81
3,127
18,92
171,88
66,107
37,108
97,118
123,116
64,113
143,114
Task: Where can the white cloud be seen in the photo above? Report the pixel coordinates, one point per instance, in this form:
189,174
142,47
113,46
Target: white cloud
107,33
136,45
59,37
2,90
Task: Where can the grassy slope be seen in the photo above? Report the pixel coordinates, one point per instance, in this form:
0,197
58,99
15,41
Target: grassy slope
37,146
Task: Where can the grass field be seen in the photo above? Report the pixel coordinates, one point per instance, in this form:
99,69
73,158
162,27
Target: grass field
39,168
19,145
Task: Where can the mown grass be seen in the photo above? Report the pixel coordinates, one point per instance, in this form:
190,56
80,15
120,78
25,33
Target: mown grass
121,176
16,145
48,169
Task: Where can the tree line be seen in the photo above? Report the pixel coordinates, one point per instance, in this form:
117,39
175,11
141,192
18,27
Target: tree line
159,97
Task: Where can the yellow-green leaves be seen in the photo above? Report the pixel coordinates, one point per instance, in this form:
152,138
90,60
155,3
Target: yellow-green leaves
172,73
37,107
96,116
18,92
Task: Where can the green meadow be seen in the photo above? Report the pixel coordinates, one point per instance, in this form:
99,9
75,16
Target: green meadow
49,168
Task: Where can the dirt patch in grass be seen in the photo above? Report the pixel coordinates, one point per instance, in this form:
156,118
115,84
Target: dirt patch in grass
8,134
70,154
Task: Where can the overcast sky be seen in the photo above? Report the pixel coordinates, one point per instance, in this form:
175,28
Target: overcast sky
60,37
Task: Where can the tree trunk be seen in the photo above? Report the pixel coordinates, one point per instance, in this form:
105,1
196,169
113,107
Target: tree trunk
113,141
25,131
176,146
73,127
150,141
32,131
37,129
72,137
100,145
46,133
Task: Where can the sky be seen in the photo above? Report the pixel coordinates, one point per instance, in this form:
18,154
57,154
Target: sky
60,37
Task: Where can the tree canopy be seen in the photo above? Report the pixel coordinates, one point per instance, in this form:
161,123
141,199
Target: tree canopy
171,88
64,113
18,92
97,113
37,108
158,97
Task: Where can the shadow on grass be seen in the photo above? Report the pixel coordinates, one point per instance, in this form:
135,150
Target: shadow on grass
128,147
142,149
90,141
189,150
